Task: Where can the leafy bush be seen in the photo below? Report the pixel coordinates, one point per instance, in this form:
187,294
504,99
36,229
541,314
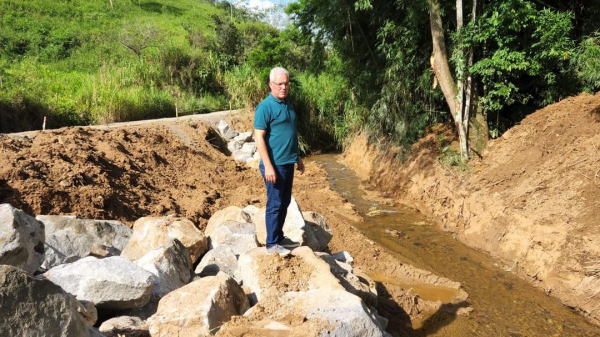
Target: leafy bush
587,62
324,104
246,86
523,57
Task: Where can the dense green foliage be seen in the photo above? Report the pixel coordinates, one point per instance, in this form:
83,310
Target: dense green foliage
526,55
383,55
586,62
523,58
80,62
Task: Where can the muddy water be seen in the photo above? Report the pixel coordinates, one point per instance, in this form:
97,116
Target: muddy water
503,304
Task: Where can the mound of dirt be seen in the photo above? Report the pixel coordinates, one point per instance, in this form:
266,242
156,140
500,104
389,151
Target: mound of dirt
286,275
123,173
531,201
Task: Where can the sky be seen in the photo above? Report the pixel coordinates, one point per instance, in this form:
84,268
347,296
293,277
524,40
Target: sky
265,4
275,16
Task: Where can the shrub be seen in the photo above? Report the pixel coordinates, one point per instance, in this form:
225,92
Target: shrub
246,86
587,62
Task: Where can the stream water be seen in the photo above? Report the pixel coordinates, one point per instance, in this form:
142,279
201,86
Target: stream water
504,305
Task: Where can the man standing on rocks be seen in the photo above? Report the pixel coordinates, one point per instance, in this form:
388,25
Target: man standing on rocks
277,143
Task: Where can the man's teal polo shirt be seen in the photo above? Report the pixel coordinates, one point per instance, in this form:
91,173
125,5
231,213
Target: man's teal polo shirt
278,118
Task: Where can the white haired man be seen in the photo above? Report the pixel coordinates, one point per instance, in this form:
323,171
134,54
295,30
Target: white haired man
276,138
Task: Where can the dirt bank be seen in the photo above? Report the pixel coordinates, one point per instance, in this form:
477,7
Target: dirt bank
531,201
168,167
121,173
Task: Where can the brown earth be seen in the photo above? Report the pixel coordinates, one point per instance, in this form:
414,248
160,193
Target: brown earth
172,167
532,200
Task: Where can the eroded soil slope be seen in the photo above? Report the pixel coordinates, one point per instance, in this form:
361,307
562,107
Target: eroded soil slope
532,200
122,173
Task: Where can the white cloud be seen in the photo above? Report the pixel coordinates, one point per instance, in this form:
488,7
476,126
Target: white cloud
261,5
272,10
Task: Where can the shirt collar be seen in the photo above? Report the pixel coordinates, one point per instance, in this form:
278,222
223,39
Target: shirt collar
280,101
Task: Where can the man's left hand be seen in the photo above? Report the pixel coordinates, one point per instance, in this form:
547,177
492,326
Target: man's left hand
300,166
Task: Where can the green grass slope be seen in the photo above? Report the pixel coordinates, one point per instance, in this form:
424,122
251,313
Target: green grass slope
83,62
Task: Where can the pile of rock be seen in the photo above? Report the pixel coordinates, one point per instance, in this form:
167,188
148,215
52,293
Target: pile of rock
240,144
60,275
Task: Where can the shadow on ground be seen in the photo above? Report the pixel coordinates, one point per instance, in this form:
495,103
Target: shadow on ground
400,324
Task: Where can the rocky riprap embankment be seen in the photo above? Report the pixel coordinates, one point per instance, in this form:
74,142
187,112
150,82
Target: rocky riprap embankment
240,144
63,276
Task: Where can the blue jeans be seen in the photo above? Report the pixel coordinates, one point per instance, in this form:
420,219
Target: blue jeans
279,196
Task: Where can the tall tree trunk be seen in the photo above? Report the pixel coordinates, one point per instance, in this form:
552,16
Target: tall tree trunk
440,63
461,74
476,121
462,118
441,70
468,94
469,83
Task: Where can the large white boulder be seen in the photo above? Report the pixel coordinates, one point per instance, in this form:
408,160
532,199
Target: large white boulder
346,313
30,307
242,155
226,131
171,266
249,147
240,237
199,308
234,145
353,280
231,213
111,283
312,313
150,233
316,222
261,272
219,259
69,239
21,239
244,137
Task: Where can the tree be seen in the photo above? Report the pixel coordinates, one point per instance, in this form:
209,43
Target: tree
522,55
139,37
228,40
504,60
459,101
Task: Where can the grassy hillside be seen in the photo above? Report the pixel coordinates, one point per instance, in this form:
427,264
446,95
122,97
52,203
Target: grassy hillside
82,62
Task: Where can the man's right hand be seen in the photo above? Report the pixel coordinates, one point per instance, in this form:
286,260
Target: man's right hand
270,175
261,146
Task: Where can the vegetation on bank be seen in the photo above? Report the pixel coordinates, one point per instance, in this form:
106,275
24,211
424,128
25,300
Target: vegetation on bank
506,58
358,65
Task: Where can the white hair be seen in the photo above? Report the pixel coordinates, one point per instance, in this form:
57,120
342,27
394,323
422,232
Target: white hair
278,70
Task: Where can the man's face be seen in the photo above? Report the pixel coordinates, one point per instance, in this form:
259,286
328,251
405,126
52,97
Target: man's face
280,85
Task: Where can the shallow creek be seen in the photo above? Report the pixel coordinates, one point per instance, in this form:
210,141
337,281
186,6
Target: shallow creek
503,304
